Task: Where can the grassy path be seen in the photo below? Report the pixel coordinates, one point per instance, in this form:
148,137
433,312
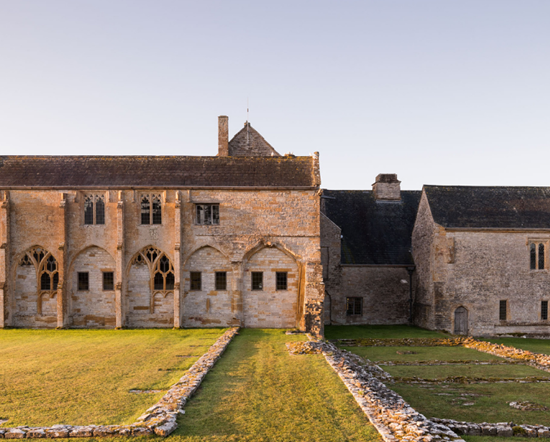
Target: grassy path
258,392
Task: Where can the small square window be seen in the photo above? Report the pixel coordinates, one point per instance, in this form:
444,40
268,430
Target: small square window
83,281
221,280
108,281
281,280
502,310
257,280
544,310
354,306
196,281
207,214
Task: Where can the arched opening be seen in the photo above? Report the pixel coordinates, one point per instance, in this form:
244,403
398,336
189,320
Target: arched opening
270,295
91,299
461,321
151,281
36,280
208,298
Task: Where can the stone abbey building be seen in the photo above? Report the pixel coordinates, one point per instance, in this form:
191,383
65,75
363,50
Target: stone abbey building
249,238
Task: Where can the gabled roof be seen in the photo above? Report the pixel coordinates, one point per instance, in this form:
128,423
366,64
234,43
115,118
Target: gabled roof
249,142
155,171
374,232
490,207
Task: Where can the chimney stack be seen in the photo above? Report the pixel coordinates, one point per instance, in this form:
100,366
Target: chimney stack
387,187
223,136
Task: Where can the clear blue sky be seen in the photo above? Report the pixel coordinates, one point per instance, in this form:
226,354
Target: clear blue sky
439,92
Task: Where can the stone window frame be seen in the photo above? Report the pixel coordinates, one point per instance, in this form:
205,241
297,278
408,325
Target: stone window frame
154,213
83,281
46,266
160,267
503,310
108,286
536,262
201,211
281,281
257,281
195,281
220,281
97,216
544,310
354,306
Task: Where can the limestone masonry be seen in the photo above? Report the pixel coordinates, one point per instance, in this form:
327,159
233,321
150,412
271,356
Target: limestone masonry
248,238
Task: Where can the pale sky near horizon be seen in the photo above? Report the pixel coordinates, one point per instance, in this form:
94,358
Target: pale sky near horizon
439,92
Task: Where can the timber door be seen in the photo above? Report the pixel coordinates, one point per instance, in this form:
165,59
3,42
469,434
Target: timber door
461,321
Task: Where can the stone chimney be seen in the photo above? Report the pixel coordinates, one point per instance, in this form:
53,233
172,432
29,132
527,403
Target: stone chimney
387,187
223,136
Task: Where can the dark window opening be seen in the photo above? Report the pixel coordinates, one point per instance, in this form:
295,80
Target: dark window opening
221,280
196,281
207,214
537,255
354,306
502,311
281,280
157,215
99,210
83,281
88,209
55,280
544,310
145,209
108,281
158,281
170,281
257,280
45,281
94,209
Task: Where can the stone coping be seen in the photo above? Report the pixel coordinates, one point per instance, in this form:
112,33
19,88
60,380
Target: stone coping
160,419
502,429
394,419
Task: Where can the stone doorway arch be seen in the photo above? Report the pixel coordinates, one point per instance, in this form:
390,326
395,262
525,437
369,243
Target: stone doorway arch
461,321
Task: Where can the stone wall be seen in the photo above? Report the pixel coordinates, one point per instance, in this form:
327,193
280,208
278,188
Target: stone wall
254,225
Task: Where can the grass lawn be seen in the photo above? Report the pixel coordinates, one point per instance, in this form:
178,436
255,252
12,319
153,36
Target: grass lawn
379,332
258,392
534,345
480,371
78,377
490,401
421,354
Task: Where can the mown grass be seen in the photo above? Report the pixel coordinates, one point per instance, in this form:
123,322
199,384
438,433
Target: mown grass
470,370
534,345
490,401
420,353
258,392
379,332
81,377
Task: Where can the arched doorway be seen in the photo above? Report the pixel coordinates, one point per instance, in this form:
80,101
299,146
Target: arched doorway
461,321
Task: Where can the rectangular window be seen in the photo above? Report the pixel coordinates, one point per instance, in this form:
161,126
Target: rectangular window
221,280
257,280
196,282
151,208
108,281
207,214
544,310
502,310
94,209
83,281
354,306
281,280
537,254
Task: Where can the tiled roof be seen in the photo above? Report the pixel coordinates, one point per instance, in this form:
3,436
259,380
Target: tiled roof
490,207
249,142
154,171
374,232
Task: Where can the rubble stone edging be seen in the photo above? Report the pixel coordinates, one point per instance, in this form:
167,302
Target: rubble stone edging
160,419
394,419
503,429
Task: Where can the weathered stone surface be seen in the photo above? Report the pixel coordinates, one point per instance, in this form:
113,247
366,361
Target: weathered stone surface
14,433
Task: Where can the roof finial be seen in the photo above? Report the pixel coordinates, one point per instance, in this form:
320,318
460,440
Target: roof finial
247,124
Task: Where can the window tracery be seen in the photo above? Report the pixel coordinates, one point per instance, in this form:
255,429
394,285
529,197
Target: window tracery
47,273
161,271
94,209
151,208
